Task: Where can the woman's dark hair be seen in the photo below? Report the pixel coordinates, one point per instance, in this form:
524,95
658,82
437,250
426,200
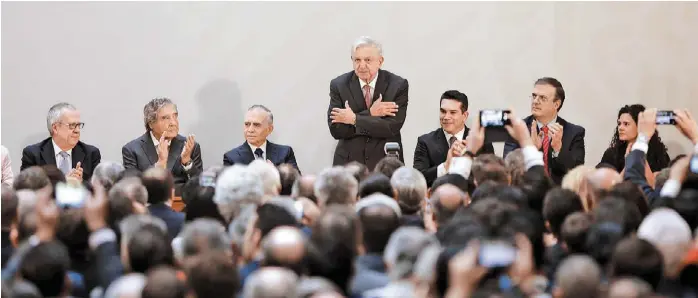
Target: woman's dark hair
657,155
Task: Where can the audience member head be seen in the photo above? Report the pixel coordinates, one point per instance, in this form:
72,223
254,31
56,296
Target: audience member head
619,211
159,184
31,178
107,173
596,185
632,194
127,286
310,211
162,282
213,275
629,287
636,257
446,201
199,201
536,186
574,232
490,167
161,117
131,188
388,165
148,248
669,233
578,276
258,125
453,111
271,180
9,205
376,183
686,204
130,225
313,286
411,189
403,249
601,241
358,170
288,175
574,178
271,282
64,126
558,204
46,266
72,231
269,216
20,289
237,187
460,230
505,193
380,217
239,226
285,247
335,186
54,175
453,179
204,235
514,163
304,187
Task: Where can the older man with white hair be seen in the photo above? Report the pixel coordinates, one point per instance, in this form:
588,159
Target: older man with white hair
670,233
411,188
367,108
63,148
236,187
271,282
336,185
269,176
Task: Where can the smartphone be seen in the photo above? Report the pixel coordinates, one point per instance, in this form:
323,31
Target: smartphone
666,118
496,254
71,195
494,118
693,164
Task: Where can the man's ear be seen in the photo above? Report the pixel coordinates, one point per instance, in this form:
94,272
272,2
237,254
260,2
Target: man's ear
466,114
395,194
257,237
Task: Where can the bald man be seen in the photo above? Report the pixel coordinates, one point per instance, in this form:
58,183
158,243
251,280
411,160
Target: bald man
284,247
596,183
271,282
577,277
446,200
629,288
304,187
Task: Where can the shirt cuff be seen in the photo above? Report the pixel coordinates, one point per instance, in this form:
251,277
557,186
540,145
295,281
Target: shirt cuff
642,146
461,166
441,170
100,237
671,188
532,157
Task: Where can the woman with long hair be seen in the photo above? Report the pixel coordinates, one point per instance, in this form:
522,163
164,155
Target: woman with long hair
626,134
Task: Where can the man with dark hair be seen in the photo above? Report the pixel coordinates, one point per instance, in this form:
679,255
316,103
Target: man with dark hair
489,167
163,282
46,266
573,233
159,184
637,257
504,193
632,194
454,179
388,165
558,204
288,175
561,142
359,170
618,210
32,178
376,183
213,275
148,248
433,153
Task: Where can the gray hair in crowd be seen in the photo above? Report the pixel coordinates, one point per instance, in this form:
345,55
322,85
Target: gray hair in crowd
238,227
129,285
55,113
366,41
236,187
403,250
107,173
335,184
270,116
133,223
410,185
132,188
578,276
271,180
271,282
378,199
204,234
26,202
425,266
309,286
150,110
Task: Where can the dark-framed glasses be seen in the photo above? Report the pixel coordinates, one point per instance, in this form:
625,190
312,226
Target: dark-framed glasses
74,125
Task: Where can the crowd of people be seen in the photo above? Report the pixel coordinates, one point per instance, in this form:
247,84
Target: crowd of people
461,222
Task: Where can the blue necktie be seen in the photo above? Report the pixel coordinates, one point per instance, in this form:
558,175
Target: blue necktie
258,153
64,164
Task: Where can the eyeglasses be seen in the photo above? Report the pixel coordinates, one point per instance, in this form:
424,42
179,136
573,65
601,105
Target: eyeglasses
73,125
541,98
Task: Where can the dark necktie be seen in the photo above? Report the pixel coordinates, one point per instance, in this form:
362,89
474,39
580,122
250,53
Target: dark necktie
258,153
452,140
546,148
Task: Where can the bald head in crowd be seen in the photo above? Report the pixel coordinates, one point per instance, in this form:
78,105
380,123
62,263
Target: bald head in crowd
447,200
596,183
304,187
271,282
577,277
284,247
629,288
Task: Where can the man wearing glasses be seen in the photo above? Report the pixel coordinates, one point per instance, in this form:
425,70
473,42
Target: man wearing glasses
561,142
63,148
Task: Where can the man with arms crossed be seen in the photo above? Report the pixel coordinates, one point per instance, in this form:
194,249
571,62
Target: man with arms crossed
368,107
561,142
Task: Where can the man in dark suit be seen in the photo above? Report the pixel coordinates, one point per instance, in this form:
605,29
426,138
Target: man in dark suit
432,156
159,184
367,107
63,148
561,142
163,146
259,123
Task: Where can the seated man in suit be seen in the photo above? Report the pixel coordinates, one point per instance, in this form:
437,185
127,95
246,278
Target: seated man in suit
561,142
259,123
432,156
63,148
162,145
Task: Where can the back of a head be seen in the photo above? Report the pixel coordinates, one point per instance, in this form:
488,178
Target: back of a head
107,173
270,216
602,239
21,289
159,184
199,202
54,174
630,287
271,282
148,248
573,178
213,275
578,276
335,186
46,266
403,249
9,205
378,222
558,204
309,286
288,175
131,188
536,186
460,230
489,167
204,235
358,170
162,282
388,165
505,193
514,163
334,239
630,192
271,180
411,188
305,187
285,247
127,286
620,211
686,204
639,258
447,200
375,183
236,187
453,179
32,178
574,232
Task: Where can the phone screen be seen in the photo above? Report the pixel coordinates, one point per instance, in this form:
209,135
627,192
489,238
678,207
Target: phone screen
665,118
70,196
494,118
496,254
693,164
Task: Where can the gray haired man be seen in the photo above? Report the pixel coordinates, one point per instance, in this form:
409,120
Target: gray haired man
161,145
63,147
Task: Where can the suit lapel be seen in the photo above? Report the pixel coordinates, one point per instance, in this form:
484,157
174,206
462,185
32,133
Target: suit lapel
78,156
176,146
356,94
441,143
381,85
149,148
271,152
245,153
48,154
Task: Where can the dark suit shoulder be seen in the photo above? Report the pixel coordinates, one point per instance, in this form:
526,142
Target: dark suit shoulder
343,78
134,143
391,76
570,126
430,136
87,147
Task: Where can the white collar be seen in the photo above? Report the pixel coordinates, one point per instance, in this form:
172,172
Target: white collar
540,124
263,147
57,150
372,83
156,142
459,135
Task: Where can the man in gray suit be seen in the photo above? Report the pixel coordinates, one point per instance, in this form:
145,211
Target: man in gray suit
162,145
368,107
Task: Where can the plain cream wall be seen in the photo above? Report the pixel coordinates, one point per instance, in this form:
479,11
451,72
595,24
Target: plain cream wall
217,58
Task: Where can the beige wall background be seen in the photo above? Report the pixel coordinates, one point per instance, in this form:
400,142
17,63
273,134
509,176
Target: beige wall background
217,58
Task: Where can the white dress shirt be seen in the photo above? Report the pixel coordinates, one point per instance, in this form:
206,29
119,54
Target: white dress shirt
372,83
441,170
7,176
263,147
156,142
540,126
57,151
